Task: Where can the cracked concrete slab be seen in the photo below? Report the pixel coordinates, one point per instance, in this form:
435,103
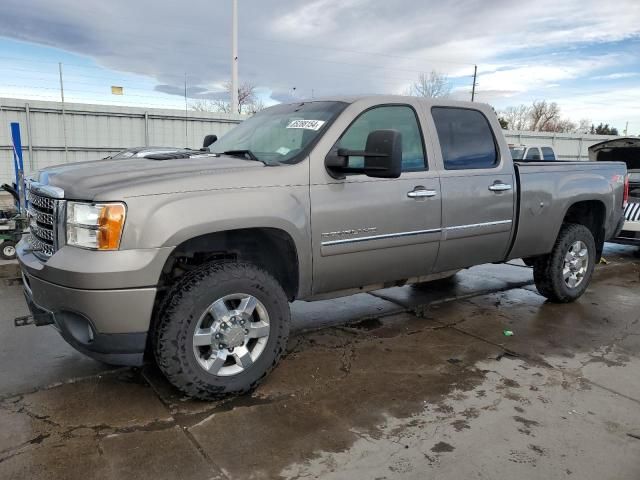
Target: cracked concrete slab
106,403
414,389
162,454
328,401
521,421
38,356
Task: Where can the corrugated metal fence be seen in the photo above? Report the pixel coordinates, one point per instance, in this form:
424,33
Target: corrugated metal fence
568,146
90,132
95,131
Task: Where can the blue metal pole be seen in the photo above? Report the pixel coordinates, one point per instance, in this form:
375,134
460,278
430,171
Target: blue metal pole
17,159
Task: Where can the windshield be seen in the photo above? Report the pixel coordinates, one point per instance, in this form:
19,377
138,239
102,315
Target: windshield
517,153
280,133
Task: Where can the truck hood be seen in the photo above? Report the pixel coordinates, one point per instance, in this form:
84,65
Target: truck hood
120,178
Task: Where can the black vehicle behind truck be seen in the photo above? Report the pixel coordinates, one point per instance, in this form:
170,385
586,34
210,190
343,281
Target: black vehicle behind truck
625,150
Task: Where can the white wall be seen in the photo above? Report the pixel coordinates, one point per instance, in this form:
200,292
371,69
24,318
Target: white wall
568,146
95,131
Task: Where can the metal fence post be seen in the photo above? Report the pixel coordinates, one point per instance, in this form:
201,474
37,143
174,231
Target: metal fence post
146,129
27,113
580,148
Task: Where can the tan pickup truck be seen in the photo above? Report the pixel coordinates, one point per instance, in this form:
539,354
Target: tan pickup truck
192,259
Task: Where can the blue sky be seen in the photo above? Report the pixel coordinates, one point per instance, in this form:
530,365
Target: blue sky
582,54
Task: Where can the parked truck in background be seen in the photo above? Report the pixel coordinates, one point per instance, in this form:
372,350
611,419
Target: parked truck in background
195,261
534,153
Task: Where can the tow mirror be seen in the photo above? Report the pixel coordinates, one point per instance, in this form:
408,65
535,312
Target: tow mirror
382,156
209,140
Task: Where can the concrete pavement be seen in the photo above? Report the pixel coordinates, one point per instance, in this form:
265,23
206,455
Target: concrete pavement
402,383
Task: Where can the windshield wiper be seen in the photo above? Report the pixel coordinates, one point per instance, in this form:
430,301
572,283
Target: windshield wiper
246,154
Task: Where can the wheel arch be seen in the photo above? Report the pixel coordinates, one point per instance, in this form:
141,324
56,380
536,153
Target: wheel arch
592,214
271,249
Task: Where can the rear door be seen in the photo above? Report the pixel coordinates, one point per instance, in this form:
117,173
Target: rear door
548,154
477,185
372,230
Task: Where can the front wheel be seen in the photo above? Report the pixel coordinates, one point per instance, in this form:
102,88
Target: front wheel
8,250
224,327
563,275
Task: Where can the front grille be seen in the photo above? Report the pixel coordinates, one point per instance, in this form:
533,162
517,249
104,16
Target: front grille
42,213
632,212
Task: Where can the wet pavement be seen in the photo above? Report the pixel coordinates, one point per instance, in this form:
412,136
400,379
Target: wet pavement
411,383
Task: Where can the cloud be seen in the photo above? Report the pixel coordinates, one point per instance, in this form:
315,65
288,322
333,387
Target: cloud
193,92
334,46
616,76
523,78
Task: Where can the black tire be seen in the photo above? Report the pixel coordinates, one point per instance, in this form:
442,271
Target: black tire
173,333
8,250
548,269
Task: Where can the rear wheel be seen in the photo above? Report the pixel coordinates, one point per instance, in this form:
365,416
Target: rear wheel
564,274
8,250
223,329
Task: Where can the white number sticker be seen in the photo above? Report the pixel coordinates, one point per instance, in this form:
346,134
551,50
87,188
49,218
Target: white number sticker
306,124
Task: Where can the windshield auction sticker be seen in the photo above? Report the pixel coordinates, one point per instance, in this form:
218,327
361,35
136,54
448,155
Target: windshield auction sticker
306,124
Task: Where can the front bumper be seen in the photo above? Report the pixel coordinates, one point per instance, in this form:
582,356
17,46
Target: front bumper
109,324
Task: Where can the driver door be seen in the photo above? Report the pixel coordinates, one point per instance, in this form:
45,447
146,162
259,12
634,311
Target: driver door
367,230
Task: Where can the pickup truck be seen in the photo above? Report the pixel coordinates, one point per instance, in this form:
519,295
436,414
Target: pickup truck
533,153
194,261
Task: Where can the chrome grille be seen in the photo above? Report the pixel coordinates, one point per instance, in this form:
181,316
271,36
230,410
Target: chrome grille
42,213
632,212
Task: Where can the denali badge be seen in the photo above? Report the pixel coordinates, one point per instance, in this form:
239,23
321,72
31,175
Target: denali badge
353,231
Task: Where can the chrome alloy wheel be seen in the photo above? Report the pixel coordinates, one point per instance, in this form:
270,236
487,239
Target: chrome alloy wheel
9,251
231,334
576,264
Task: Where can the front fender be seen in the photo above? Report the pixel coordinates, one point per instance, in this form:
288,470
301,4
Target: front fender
171,219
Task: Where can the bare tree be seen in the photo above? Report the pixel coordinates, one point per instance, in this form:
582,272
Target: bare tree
204,105
561,125
517,118
248,101
543,115
433,85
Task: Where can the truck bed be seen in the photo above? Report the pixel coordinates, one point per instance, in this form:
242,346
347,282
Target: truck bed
546,191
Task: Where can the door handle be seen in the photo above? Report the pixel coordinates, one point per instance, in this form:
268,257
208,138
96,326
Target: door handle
499,187
421,193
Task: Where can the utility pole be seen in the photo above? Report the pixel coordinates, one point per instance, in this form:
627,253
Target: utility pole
473,88
234,57
186,122
64,123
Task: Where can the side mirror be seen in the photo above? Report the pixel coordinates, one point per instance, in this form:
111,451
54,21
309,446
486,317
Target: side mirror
209,140
382,156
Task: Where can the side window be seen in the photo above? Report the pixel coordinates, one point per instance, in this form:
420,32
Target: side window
548,154
466,138
533,154
397,117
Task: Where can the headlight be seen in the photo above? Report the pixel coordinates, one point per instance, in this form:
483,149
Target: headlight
97,226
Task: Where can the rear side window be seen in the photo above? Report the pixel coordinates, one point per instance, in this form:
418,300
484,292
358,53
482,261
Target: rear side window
533,154
466,138
548,154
